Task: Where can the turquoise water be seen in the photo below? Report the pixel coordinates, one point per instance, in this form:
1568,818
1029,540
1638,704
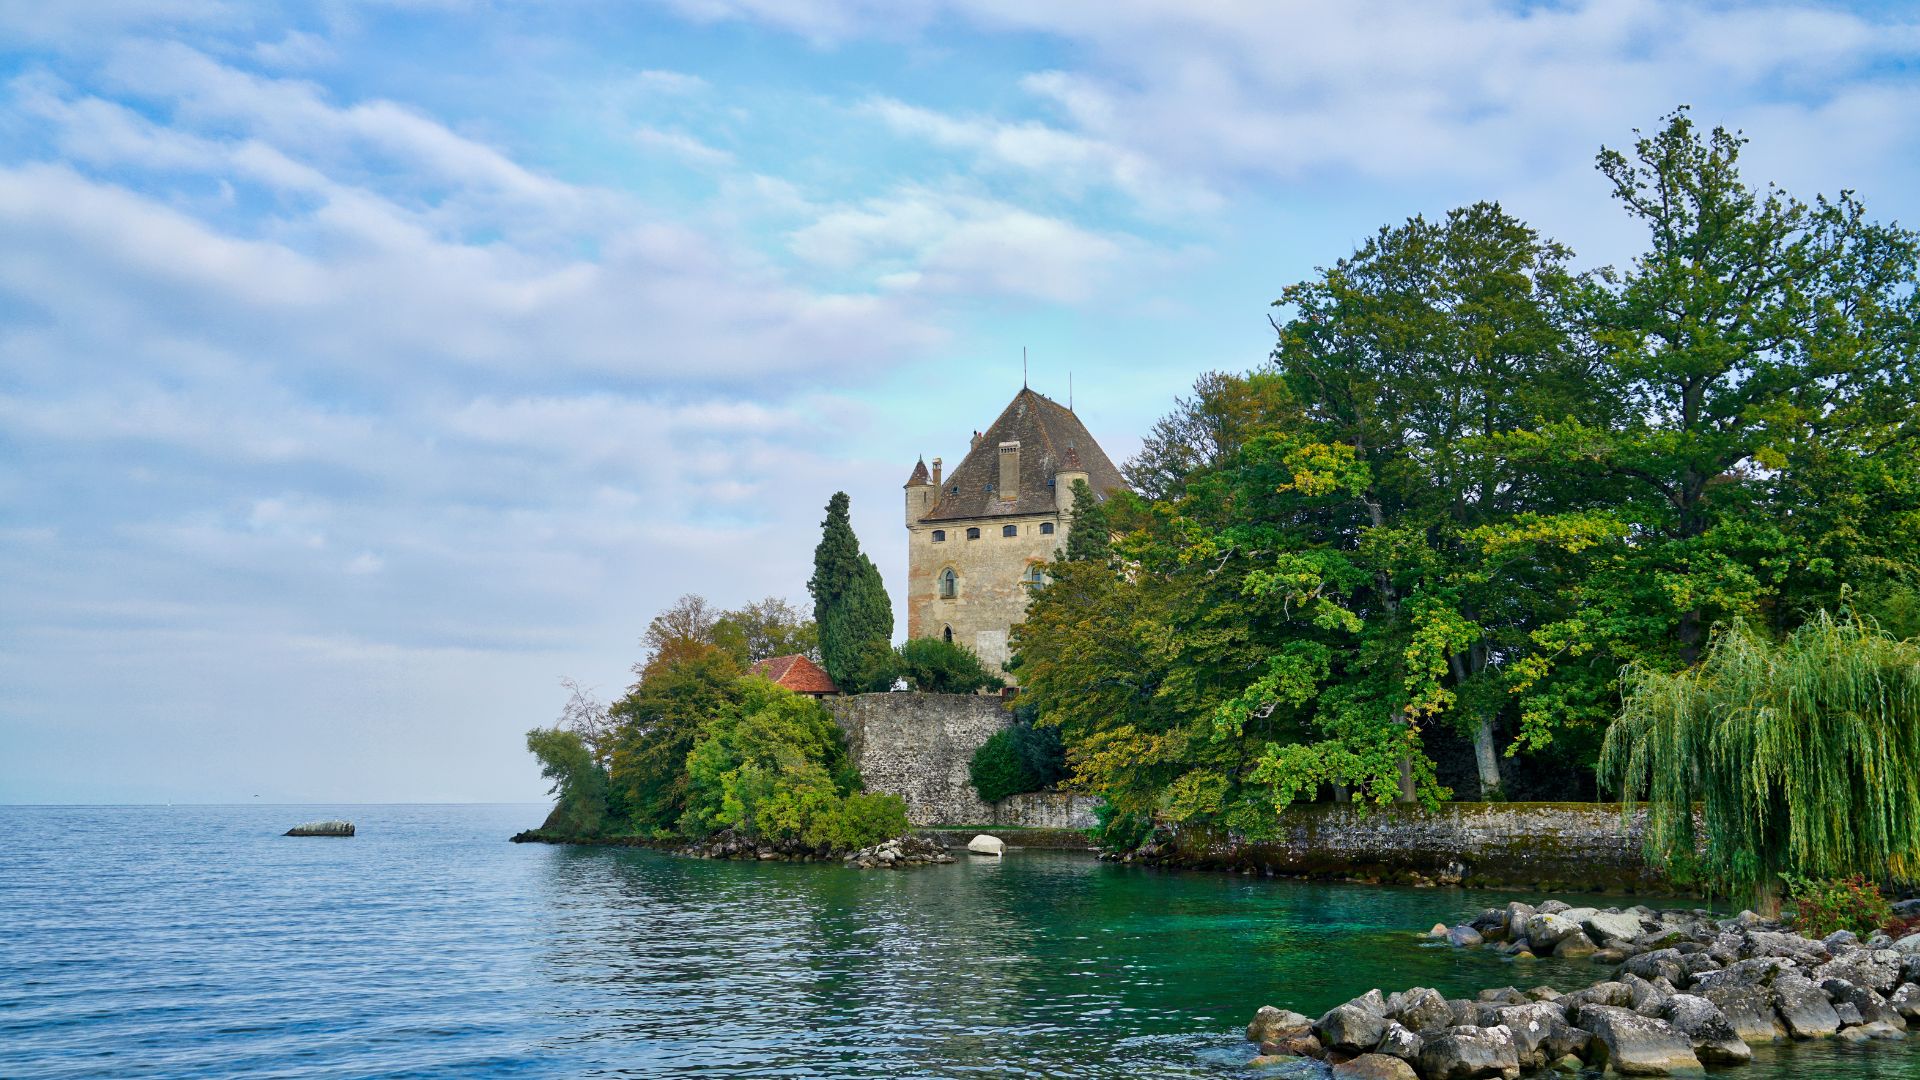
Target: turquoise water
195,941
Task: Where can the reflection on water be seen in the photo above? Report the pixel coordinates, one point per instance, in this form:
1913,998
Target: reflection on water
197,942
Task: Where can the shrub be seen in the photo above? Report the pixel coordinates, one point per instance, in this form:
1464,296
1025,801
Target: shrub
1821,906
1117,831
1017,759
937,666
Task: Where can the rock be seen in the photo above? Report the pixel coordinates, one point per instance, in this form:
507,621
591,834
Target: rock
987,845
1804,1007
1543,993
322,828
1503,995
1610,956
1612,927
1271,1024
1464,937
1840,939
1517,916
1439,930
1545,930
1790,946
1908,945
1746,973
1350,1029
1749,1011
1575,945
1877,970
1600,993
1372,1002
1552,907
1570,1064
1492,918
1635,1045
1708,1029
1867,1007
1268,1061
1906,1001
1907,909
1541,1034
1658,964
1301,1045
1423,1009
1400,1042
1647,997
1375,1067
1463,1053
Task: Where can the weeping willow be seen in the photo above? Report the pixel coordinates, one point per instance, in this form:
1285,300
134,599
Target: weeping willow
1797,757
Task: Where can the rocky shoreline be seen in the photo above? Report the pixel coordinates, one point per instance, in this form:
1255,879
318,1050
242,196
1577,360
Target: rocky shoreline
1685,991
909,849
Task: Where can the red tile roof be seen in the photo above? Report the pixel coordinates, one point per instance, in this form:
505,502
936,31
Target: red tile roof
796,673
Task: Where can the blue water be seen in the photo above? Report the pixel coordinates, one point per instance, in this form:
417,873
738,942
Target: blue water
196,941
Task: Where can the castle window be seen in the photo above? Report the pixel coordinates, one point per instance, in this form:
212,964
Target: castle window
1046,528
954,490
949,584
939,536
973,534
947,634
1050,481
989,489
1009,530
1035,577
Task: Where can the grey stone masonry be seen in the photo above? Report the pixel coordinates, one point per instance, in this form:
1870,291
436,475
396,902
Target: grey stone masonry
918,746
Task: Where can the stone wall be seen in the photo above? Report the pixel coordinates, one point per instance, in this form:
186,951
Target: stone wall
991,572
1045,810
918,746
1545,845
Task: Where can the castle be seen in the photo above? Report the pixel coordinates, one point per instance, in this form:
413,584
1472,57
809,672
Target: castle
978,540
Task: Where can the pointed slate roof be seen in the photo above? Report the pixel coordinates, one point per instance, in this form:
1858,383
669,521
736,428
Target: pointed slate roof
1046,430
796,673
920,475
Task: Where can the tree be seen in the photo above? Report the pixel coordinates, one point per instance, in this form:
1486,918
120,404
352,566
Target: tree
1018,759
1203,430
850,606
1802,756
679,631
578,781
763,629
1089,533
935,666
657,723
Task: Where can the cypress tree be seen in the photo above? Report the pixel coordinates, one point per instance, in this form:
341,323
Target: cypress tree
850,605
1090,536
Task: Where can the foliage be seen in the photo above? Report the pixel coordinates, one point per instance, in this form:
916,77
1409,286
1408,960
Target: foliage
1802,756
772,766
1018,759
656,725
579,781
937,666
1090,533
1119,831
1822,906
850,606
764,629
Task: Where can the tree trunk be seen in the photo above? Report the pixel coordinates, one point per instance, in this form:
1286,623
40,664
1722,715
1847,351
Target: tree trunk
1487,758
1767,898
1408,793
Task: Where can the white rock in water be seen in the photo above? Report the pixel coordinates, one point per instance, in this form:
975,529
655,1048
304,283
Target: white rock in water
322,828
987,845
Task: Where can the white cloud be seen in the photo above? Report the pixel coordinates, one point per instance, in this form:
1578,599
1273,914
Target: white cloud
680,144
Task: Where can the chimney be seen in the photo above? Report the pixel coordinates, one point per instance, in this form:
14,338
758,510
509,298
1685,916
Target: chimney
1009,470
936,472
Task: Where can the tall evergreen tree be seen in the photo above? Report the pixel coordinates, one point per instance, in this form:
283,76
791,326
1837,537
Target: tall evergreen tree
850,605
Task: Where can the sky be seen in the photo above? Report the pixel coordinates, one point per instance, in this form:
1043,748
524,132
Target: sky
368,367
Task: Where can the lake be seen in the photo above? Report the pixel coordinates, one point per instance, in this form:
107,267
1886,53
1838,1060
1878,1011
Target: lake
196,941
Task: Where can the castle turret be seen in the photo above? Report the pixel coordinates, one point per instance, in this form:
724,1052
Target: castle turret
1069,472
920,492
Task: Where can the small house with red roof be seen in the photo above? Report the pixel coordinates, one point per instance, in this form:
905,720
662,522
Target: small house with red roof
796,673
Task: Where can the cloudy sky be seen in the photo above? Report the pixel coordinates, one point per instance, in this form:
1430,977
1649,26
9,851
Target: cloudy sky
367,367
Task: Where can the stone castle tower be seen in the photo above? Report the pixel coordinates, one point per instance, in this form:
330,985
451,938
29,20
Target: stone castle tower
978,539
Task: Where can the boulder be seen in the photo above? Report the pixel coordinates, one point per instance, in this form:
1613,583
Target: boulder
322,828
1374,1067
1439,930
1503,995
1659,964
1745,973
1840,939
1714,1040
1492,918
1400,1042
1804,1007
1545,930
1271,1025
1301,1045
1612,928
1464,937
1803,951
1908,945
1552,907
1647,997
1350,1029
1517,916
987,845
1541,1034
1749,1011
1423,1009
1635,1045
1866,1006
1575,945
1906,1001
1600,993
1465,1053
1875,969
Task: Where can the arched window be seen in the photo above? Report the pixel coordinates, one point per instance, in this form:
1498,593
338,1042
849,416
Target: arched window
947,634
1009,530
973,534
939,536
1035,576
949,584
1046,528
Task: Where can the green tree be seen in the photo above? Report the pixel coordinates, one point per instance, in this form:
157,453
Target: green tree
656,724
579,782
935,666
850,606
1802,757
1089,533
1017,759
764,629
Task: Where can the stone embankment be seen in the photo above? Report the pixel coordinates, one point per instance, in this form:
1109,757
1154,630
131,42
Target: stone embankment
1685,992
911,849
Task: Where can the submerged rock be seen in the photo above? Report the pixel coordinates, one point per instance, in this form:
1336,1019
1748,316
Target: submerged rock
1374,1067
1271,1025
322,828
